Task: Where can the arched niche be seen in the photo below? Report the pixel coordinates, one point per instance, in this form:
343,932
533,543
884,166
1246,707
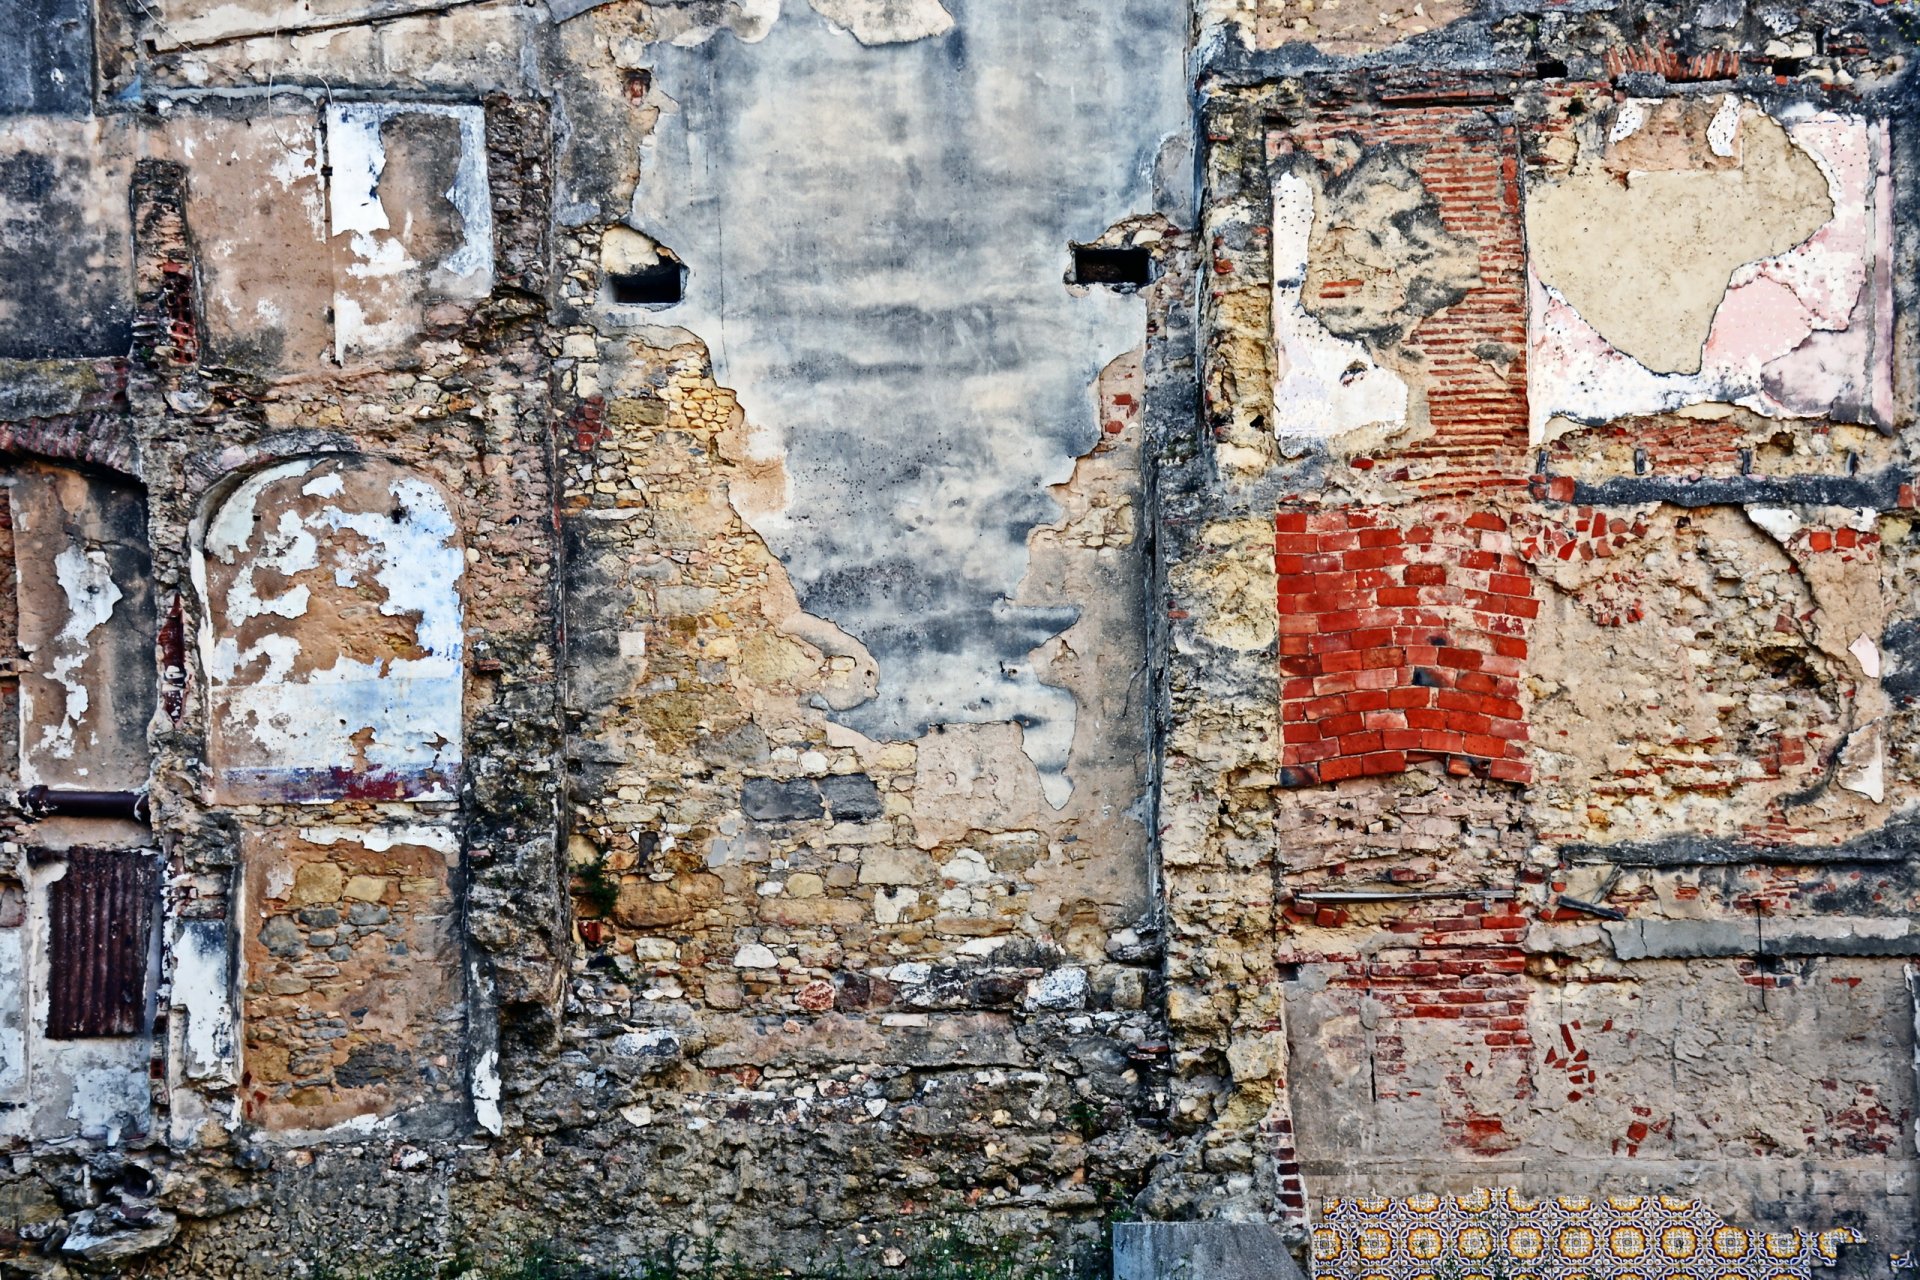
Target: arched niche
332,634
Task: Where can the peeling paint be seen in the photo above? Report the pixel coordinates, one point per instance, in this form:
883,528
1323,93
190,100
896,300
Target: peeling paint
1799,333
202,992
486,1091
87,581
14,978
398,245
332,639
86,625
1323,385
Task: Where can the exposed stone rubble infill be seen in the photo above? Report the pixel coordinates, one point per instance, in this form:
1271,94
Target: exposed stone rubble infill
792,629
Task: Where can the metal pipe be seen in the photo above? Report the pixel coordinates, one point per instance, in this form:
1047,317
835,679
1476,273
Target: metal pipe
47,802
1591,908
1399,895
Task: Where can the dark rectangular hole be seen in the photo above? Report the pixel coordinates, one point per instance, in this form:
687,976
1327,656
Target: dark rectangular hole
1552,69
650,286
1111,266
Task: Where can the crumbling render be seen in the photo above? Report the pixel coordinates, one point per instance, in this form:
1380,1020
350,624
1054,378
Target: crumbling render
332,634
1324,385
1785,309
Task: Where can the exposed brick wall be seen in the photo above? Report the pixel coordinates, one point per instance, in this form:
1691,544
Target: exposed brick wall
1401,642
1473,352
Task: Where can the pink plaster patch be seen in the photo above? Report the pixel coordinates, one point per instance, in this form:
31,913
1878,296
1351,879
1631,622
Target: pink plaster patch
1805,333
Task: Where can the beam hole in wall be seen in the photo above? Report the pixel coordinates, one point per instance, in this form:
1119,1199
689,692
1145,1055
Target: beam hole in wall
1111,265
660,284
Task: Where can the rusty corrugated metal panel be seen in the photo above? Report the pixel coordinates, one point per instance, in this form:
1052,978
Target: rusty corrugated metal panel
99,925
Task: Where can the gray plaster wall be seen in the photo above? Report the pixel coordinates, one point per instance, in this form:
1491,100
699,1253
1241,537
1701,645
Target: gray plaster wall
877,241
66,286
46,61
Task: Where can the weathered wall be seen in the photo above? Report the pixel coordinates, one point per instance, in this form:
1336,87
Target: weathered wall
1412,695
1547,408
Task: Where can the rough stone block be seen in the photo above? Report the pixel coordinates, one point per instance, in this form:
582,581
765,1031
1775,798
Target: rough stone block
772,800
852,797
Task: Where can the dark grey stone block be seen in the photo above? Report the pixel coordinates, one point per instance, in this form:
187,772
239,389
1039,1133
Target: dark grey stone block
852,797
771,800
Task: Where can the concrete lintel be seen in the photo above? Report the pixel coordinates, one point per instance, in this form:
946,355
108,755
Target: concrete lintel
1201,1251
1820,936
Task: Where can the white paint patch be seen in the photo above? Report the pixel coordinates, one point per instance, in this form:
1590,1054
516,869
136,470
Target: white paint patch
1804,333
1325,385
381,839
384,312
326,486
86,580
362,1126
356,156
1864,764
1867,654
1632,115
1724,129
1780,522
486,1092
203,993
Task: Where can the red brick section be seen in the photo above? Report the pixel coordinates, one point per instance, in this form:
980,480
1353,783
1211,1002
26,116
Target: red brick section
1845,543
1401,642
587,421
1685,448
1277,1128
1591,534
1474,351
1663,60
1460,963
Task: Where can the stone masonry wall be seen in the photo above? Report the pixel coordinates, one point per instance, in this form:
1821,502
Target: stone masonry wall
785,625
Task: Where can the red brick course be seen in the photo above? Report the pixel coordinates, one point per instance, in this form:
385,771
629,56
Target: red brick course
1400,642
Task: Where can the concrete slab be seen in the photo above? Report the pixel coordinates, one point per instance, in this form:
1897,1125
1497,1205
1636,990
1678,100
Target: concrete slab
1201,1251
